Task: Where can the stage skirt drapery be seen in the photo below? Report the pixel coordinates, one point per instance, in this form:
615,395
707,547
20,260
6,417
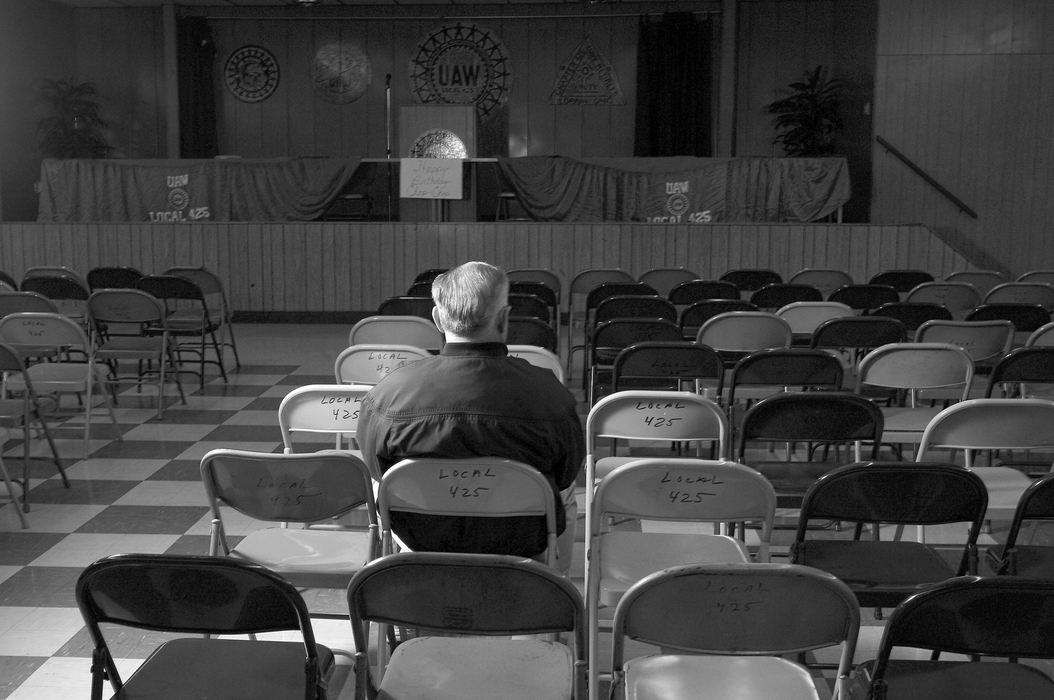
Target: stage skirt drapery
171,191
678,189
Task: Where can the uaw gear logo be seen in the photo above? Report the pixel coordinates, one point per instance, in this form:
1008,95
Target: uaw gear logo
179,209
461,64
679,205
251,73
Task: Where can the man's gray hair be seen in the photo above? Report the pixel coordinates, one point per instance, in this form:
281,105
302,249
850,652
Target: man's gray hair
467,296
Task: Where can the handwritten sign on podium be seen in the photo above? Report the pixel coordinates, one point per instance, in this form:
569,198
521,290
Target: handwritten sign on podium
431,178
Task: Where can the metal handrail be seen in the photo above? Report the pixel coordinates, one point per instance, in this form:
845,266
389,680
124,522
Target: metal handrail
926,176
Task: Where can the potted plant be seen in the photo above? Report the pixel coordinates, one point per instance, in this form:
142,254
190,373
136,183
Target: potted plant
74,127
807,119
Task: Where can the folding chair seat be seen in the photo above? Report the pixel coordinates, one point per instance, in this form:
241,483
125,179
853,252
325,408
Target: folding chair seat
913,313
467,608
982,618
9,485
688,493
330,410
739,333
368,364
687,293
896,374
692,318
981,280
1018,557
669,366
825,279
478,505
531,331
883,572
188,317
397,330
664,279
817,418
1027,318
804,317
611,337
751,279
990,425
23,413
766,372
317,491
131,325
774,296
960,298
208,596
1040,293
33,334
539,357
407,306
113,277
1023,372
219,307
864,297
722,628
581,285
902,280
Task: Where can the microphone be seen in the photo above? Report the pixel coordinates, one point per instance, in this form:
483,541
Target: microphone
387,80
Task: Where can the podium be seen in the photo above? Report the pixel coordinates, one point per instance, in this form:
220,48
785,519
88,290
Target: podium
438,132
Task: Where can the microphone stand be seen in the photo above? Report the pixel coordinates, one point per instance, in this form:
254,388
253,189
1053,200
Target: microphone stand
388,139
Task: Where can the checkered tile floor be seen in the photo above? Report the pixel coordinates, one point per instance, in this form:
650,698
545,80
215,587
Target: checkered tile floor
143,494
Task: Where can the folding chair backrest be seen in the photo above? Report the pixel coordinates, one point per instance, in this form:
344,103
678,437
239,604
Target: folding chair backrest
1025,317
1041,337
296,488
321,408
549,278
664,279
448,592
775,296
475,487
991,424
864,297
981,280
913,313
794,369
666,365
737,609
115,277
368,364
858,332
1027,365
805,316
539,357
674,416
826,280
531,331
114,305
634,306
407,306
699,290
745,331
749,280
189,594
15,302
35,330
171,287
429,274
1022,293
917,366
992,616
211,288
819,416
958,297
699,312
902,280
399,330
56,288
1035,503
983,340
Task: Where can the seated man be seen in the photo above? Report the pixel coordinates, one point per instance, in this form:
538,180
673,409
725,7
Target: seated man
473,400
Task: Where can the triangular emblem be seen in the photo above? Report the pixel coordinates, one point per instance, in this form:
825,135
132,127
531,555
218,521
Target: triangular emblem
586,79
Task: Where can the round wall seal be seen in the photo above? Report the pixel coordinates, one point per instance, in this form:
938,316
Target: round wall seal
251,73
461,64
340,72
438,143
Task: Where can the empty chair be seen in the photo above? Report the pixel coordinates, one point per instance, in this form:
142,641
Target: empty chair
69,294
15,302
529,306
690,492
668,366
539,357
1027,318
913,313
825,279
864,297
774,296
54,271
902,280
835,418
113,277
776,370
407,306
219,308
751,279
534,275
545,293
854,336
960,298
883,572
368,364
9,485
1041,337
1023,372
722,628
1040,276
804,317
205,597
330,411
738,333
1022,293
472,642
397,330
981,280
312,490
984,425
664,279
697,313
611,337
1018,557
700,290
581,285
531,331
982,618
985,341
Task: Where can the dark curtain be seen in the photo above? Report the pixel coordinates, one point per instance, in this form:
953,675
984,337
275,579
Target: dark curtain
673,86
197,101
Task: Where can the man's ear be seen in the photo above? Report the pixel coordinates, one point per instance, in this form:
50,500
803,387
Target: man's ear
502,322
435,317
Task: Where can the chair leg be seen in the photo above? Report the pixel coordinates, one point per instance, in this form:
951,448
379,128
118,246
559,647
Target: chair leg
10,485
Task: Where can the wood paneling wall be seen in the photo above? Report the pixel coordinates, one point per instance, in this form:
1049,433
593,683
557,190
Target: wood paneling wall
964,89
351,267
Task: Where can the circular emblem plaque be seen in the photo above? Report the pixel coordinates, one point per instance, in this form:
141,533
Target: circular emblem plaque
340,72
461,64
251,73
438,143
